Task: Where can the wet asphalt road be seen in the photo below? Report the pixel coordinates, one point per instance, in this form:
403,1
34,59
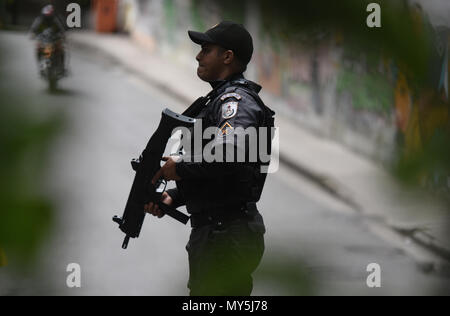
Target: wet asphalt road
314,244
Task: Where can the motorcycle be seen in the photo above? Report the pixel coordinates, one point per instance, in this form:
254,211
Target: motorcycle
50,47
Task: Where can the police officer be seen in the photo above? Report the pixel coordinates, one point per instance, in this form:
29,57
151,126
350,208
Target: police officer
226,243
47,19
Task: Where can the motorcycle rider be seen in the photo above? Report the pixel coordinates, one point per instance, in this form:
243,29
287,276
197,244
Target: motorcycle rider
48,20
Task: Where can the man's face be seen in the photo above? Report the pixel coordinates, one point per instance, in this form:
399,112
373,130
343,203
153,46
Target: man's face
210,62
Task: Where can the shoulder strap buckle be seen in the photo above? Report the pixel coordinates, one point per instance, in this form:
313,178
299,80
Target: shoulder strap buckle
241,81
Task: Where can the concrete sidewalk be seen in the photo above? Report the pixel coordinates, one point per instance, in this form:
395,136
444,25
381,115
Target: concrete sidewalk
416,222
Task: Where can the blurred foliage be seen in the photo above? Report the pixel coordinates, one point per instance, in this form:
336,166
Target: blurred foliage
287,275
311,21
26,214
429,166
231,10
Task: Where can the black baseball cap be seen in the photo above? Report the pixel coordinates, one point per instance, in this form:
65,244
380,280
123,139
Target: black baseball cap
228,35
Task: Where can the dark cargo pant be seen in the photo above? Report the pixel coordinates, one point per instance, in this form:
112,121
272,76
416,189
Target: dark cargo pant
222,259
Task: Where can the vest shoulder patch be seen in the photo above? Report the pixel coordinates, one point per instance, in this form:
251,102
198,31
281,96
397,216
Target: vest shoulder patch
225,130
235,95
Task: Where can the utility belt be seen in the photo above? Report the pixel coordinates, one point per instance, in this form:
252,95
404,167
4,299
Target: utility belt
220,216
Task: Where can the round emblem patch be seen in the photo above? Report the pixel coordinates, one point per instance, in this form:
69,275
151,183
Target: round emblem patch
229,110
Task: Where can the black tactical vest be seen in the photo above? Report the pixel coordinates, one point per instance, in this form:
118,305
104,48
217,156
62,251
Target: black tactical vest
246,186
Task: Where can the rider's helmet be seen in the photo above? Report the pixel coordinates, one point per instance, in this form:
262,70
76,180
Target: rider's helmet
48,11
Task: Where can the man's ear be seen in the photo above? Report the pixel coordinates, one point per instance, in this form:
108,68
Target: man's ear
228,57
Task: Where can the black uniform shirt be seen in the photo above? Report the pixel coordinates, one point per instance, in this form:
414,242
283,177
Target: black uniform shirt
232,109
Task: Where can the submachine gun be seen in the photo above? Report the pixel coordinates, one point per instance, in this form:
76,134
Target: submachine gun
143,191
